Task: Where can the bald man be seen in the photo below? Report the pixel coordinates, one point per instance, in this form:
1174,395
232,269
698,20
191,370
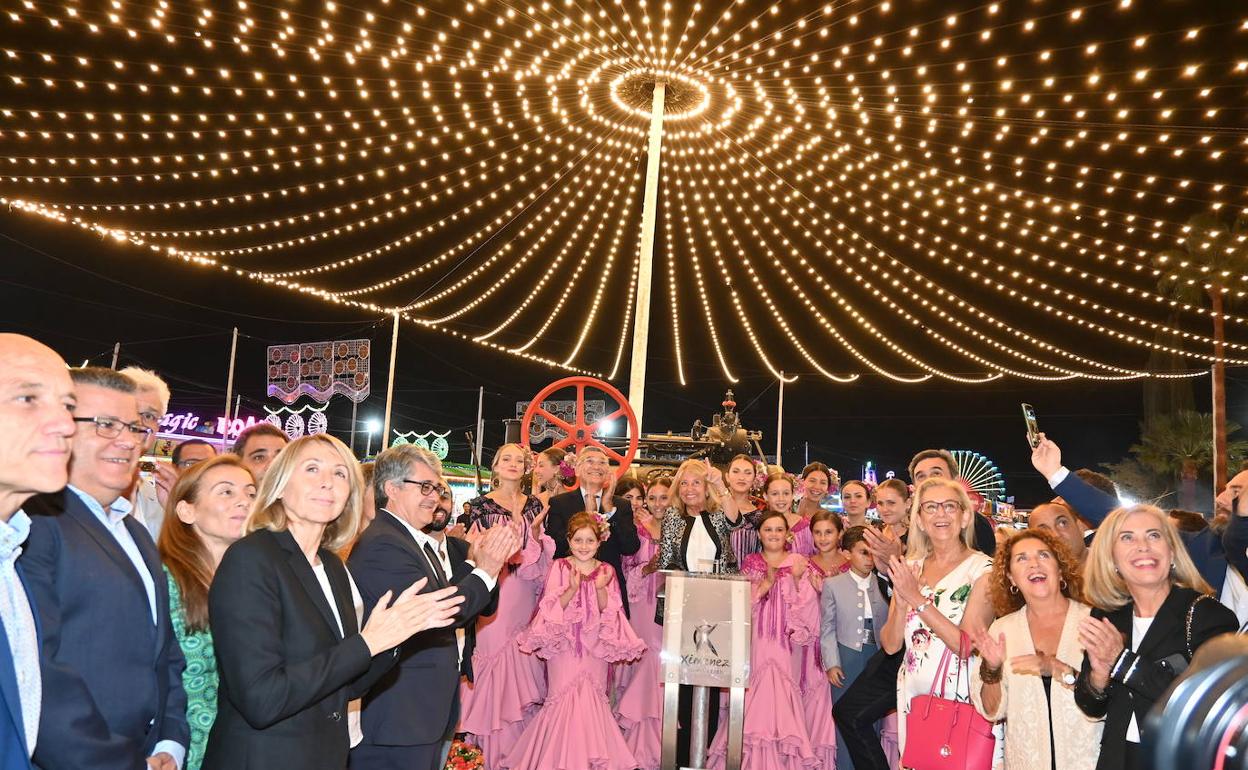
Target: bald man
36,423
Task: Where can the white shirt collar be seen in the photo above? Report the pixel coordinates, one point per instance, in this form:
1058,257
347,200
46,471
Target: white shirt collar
421,537
116,511
864,583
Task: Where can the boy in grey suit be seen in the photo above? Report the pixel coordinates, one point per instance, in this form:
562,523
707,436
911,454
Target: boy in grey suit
852,612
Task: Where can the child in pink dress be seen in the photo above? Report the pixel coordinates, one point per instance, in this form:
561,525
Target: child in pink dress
784,616
579,628
826,529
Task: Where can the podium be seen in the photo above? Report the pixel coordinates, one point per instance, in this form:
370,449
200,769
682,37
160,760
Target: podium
706,645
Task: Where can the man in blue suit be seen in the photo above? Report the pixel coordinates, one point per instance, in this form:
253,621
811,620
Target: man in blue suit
1212,552
36,410
112,668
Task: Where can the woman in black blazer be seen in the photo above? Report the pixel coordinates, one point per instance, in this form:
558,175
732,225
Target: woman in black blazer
1152,611
699,498
290,658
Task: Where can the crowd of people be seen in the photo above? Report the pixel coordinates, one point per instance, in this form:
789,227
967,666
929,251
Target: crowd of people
282,605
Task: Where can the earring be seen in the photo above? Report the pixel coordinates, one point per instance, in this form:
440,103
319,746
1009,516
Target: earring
1172,567
1013,588
1063,584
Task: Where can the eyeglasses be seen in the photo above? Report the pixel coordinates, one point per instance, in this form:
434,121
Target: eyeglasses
111,427
184,464
934,506
428,487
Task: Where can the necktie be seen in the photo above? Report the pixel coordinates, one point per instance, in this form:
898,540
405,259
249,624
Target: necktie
439,576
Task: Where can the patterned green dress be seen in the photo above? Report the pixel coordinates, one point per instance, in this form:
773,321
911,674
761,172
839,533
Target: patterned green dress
199,679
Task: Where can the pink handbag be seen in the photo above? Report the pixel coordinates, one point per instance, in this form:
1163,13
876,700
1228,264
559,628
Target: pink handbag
943,734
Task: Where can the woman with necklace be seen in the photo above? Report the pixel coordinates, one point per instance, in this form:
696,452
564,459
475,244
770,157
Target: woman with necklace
508,685
740,478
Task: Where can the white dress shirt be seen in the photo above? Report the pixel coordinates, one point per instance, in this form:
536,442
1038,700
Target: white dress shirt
864,585
598,503
18,620
700,552
114,520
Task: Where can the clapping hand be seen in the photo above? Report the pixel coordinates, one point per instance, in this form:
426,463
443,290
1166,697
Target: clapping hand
390,625
799,569
905,579
1103,643
164,477
882,548
603,577
495,547
539,522
1041,664
162,761
991,651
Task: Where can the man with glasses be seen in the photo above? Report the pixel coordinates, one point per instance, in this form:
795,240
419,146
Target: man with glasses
151,491
112,668
596,495
36,407
409,714
191,452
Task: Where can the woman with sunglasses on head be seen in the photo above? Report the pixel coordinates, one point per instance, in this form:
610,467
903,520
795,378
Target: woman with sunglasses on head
939,591
507,685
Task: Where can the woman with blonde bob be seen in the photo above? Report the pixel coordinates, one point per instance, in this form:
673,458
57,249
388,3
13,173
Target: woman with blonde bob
938,592
289,648
1146,591
1025,674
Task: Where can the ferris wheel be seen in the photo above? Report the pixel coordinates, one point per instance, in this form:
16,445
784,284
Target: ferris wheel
980,474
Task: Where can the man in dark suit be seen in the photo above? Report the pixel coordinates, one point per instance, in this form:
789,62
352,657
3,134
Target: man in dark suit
596,495
112,668
459,552
36,411
413,709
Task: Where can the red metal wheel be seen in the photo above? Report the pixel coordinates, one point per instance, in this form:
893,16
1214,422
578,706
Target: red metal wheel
580,432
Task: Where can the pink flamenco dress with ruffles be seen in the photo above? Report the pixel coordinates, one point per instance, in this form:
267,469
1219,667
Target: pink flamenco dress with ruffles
508,685
575,729
784,618
639,710
813,681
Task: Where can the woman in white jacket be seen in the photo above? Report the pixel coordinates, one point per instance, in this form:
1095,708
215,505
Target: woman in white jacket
1030,656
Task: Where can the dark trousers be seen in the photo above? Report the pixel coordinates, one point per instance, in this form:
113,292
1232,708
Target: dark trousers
424,756
867,700
684,717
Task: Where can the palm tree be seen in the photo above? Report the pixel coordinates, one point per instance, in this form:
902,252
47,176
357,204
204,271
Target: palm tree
1214,253
1176,448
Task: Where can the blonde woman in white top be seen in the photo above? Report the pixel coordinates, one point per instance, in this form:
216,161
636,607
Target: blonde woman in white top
1029,657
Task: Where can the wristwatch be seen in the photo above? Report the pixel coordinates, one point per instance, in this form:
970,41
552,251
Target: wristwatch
918,610
1068,679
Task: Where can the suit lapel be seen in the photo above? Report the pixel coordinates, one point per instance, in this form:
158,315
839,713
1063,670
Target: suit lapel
8,685
1171,615
78,512
410,539
307,578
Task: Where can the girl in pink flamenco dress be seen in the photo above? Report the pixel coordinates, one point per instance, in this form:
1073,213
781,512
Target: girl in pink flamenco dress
508,685
784,617
640,707
578,630
826,530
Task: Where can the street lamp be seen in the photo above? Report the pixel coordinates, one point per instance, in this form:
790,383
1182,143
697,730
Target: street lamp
372,426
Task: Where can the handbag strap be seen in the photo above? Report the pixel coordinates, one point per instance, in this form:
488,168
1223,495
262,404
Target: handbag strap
942,670
1191,611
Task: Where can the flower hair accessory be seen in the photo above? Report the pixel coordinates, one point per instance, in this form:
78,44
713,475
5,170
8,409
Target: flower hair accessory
760,476
603,527
567,468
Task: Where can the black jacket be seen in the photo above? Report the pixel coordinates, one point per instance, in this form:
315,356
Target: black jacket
623,541
415,702
1142,677
286,670
112,681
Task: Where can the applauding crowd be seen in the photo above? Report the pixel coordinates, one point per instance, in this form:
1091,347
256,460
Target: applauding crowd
272,608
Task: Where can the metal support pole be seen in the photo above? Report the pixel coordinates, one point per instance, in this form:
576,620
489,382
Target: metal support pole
354,406
229,378
394,349
480,423
116,354
780,419
645,260
699,720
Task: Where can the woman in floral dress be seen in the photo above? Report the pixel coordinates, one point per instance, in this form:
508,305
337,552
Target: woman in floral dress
938,592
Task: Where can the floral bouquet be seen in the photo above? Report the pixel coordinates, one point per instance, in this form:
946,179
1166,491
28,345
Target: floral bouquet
464,756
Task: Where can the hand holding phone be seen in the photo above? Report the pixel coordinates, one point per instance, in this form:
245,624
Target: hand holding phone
1033,430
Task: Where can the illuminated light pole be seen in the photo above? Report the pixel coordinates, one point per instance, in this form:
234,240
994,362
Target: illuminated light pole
645,264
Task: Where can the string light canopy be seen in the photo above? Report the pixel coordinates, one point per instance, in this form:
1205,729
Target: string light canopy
906,189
